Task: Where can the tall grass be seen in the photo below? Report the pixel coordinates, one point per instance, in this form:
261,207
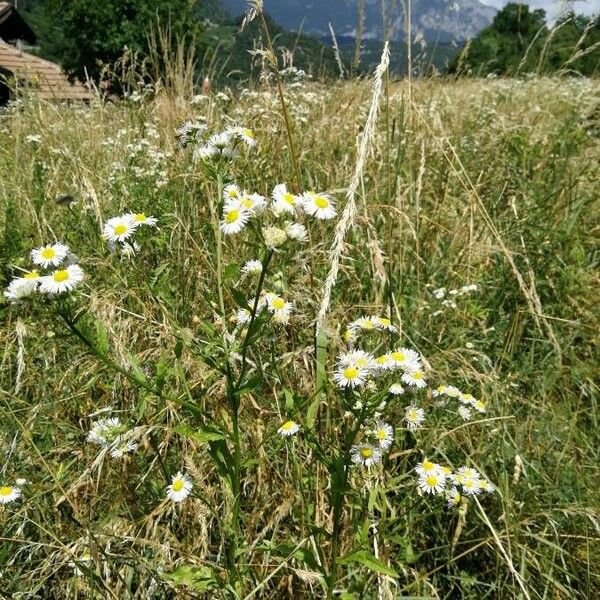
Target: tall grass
491,183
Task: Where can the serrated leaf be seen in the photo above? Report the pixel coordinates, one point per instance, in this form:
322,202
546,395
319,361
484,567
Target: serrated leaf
366,559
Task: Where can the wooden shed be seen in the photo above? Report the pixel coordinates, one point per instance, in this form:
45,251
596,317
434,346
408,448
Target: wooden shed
22,71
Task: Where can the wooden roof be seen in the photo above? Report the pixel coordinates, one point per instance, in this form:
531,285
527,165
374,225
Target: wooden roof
45,78
13,26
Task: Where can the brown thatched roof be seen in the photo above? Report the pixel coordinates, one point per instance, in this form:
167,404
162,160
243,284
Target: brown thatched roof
45,78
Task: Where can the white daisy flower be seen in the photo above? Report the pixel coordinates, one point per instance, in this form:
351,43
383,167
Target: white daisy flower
253,202
364,323
396,389
440,390
414,417
231,192
63,280
234,220
252,267
288,428
356,358
414,379
466,398
439,293
471,486
485,485
243,316
279,308
320,206
384,362
221,140
385,324
365,454
9,493
469,472
274,237
465,413
407,360
284,201
245,134
180,487
205,151
384,434
142,219
296,232
433,482
49,256
21,287
453,497
104,431
350,376
452,392
427,467
120,447
118,229
479,406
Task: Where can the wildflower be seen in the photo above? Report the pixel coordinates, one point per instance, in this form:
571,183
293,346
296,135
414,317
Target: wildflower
385,324
118,229
468,472
466,398
105,431
63,280
142,219
485,485
414,417
384,362
433,482
427,467
396,389
245,135
453,497
120,447
221,141
253,202
231,192
252,267
465,412
283,200
452,391
205,151
320,206
350,376
439,293
384,434
479,406
296,232
234,220
288,428
356,358
471,486
243,316
406,359
49,256
274,237
439,391
21,287
365,454
349,336
364,323
414,379
279,308
180,487
9,493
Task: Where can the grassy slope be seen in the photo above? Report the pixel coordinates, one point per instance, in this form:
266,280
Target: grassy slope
531,155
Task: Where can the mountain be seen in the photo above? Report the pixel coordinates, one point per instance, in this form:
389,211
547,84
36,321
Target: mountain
435,20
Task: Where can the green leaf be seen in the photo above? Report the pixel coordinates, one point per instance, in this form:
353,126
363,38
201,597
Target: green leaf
368,560
202,435
101,337
199,579
231,271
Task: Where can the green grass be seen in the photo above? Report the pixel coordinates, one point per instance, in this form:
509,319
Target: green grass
494,183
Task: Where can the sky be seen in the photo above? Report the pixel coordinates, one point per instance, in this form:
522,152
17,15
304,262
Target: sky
552,7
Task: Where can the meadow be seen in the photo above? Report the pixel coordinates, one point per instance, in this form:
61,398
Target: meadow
473,243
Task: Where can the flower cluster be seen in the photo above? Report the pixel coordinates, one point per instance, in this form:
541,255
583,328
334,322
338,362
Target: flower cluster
437,479
279,308
118,231
467,401
218,145
112,435
58,281
447,297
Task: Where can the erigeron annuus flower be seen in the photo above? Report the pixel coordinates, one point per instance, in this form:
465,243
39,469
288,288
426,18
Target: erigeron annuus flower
471,486
50,255
288,428
356,358
406,359
9,493
385,324
118,229
245,134
279,308
296,232
21,287
349,337
465,412
221,140
453,497
105,431
383,434
63,280
440,390
427,467
365,454
485,485
396,389
479,406
414,379
384,362
142,219
252,267
231,192
364,323
433,482
274,237
452,391
234,219
414,417
350,377
205,151
180,487
466,398
243,316
284,200
320,206
121,447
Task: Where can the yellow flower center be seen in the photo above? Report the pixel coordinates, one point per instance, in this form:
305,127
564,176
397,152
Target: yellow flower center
232,216
381,434
368,324
32,275
417,375
351,373
178,485
440,388
278,303
399,356
60,276
48,253
248,133
432,480
120,229
366,452
428,465
5,491
467,397
248,203
447,470
321,202
140,217
233,193
385,322
289,198
288,425
479,404
380,360
361,362
412,415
